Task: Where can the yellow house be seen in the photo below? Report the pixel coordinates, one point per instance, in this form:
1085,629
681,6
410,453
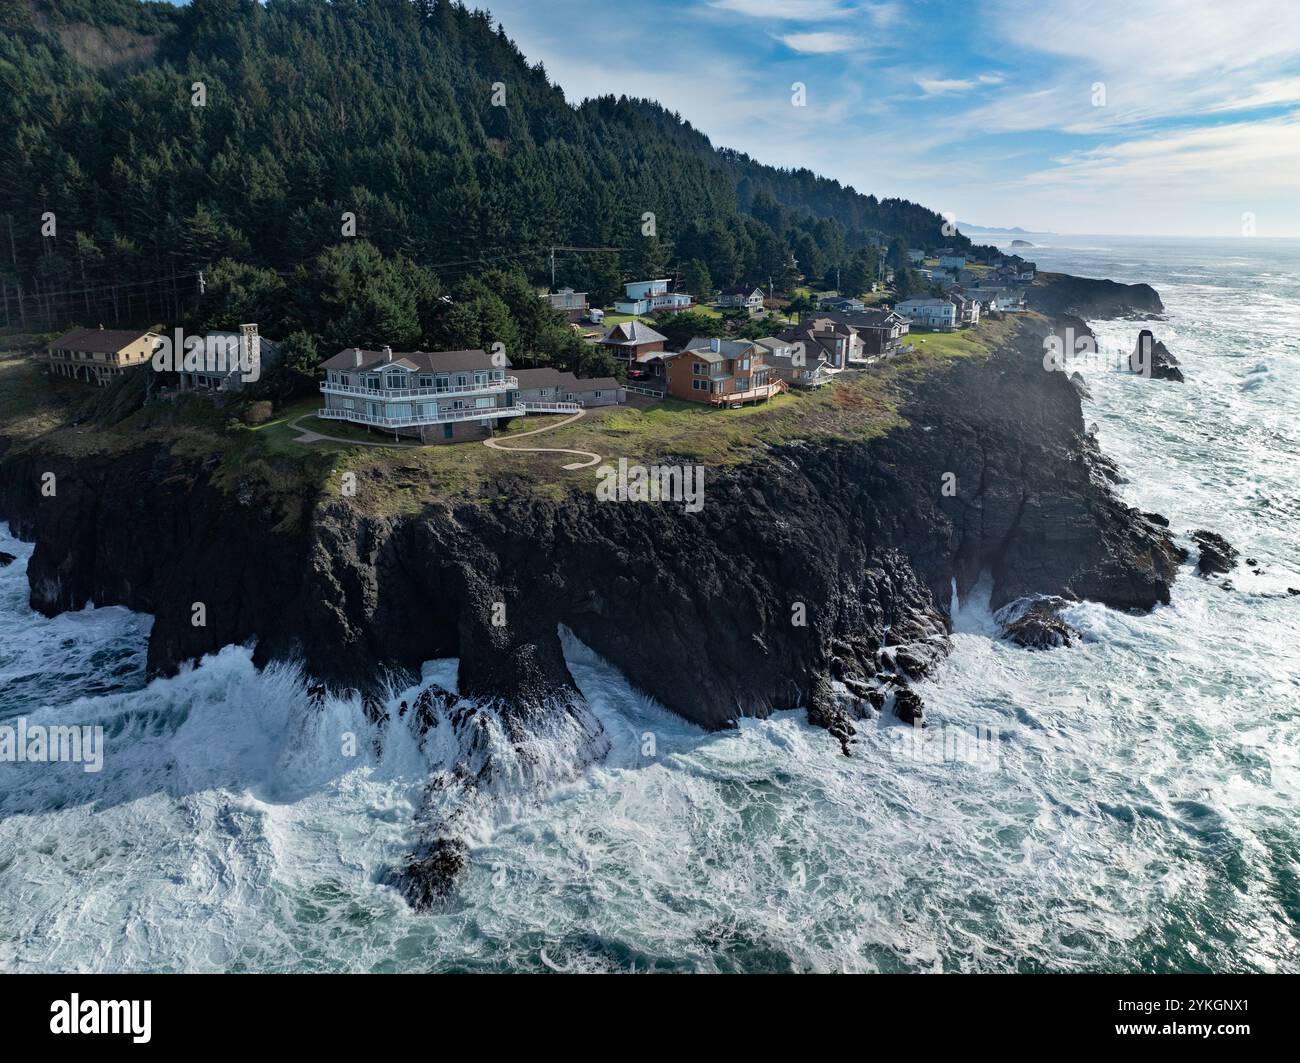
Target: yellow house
100,355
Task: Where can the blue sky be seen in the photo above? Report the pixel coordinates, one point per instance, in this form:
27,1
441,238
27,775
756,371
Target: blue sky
1117,116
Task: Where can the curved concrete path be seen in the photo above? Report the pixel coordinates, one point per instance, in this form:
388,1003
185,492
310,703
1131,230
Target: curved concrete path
308,435
591,458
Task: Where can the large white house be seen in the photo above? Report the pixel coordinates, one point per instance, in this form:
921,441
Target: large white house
440,396
750,299
645,296
930,313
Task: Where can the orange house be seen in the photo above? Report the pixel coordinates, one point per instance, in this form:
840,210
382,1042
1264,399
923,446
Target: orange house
721,372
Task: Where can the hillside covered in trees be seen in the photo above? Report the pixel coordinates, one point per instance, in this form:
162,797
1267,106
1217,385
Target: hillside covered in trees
350,172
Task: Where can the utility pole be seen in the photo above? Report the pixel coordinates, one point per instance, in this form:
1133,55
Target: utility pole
579,249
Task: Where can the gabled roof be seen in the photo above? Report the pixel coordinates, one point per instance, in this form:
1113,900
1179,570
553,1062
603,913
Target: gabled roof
105,341
633,332
429,361
545,377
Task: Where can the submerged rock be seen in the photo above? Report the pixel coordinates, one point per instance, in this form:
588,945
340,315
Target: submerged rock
1217,554
6,559
1038,624
429,875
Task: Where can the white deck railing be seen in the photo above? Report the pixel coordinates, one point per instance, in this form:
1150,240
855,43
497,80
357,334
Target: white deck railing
443,417
379,394
552,407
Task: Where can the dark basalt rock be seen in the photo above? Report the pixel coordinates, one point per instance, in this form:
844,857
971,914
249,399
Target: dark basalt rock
1152,358
1039,626
1060,293
6,559
908,707
428,876
695,609
1217,554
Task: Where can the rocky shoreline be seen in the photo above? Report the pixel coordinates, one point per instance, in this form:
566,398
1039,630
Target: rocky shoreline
819,576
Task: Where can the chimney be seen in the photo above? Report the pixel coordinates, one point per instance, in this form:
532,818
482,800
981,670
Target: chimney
715,345
356,356
388,353
252,346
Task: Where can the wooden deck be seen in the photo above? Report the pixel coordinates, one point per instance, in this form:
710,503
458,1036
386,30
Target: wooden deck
762,394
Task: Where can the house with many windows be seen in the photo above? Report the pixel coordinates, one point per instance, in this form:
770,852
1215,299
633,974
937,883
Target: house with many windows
741,298
644,297
99,355
573,305
931,313
826,335
722,372
795,364
439,396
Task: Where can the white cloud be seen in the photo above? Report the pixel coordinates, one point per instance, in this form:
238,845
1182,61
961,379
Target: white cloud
787,10
819,43
1239,158
953,86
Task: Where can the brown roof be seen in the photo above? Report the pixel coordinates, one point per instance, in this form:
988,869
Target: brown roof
109,340
434,361
631,332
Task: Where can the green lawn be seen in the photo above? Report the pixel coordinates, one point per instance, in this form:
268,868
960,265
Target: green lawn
612,319
858,405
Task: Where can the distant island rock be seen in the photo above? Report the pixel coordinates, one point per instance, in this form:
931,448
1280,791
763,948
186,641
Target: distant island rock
1022,243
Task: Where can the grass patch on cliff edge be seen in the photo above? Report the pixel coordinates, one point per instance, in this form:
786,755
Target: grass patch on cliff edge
32,403
858,406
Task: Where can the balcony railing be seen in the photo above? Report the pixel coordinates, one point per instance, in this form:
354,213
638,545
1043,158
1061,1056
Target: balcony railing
332,388
552,407
414,421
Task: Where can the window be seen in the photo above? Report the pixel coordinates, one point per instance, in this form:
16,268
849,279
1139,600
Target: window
700,385
699,368
447,430
426,381
372,382
442,382
344,378
396,380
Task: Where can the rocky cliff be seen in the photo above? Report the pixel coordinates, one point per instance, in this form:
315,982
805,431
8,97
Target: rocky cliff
1061,293
818,576
820,563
